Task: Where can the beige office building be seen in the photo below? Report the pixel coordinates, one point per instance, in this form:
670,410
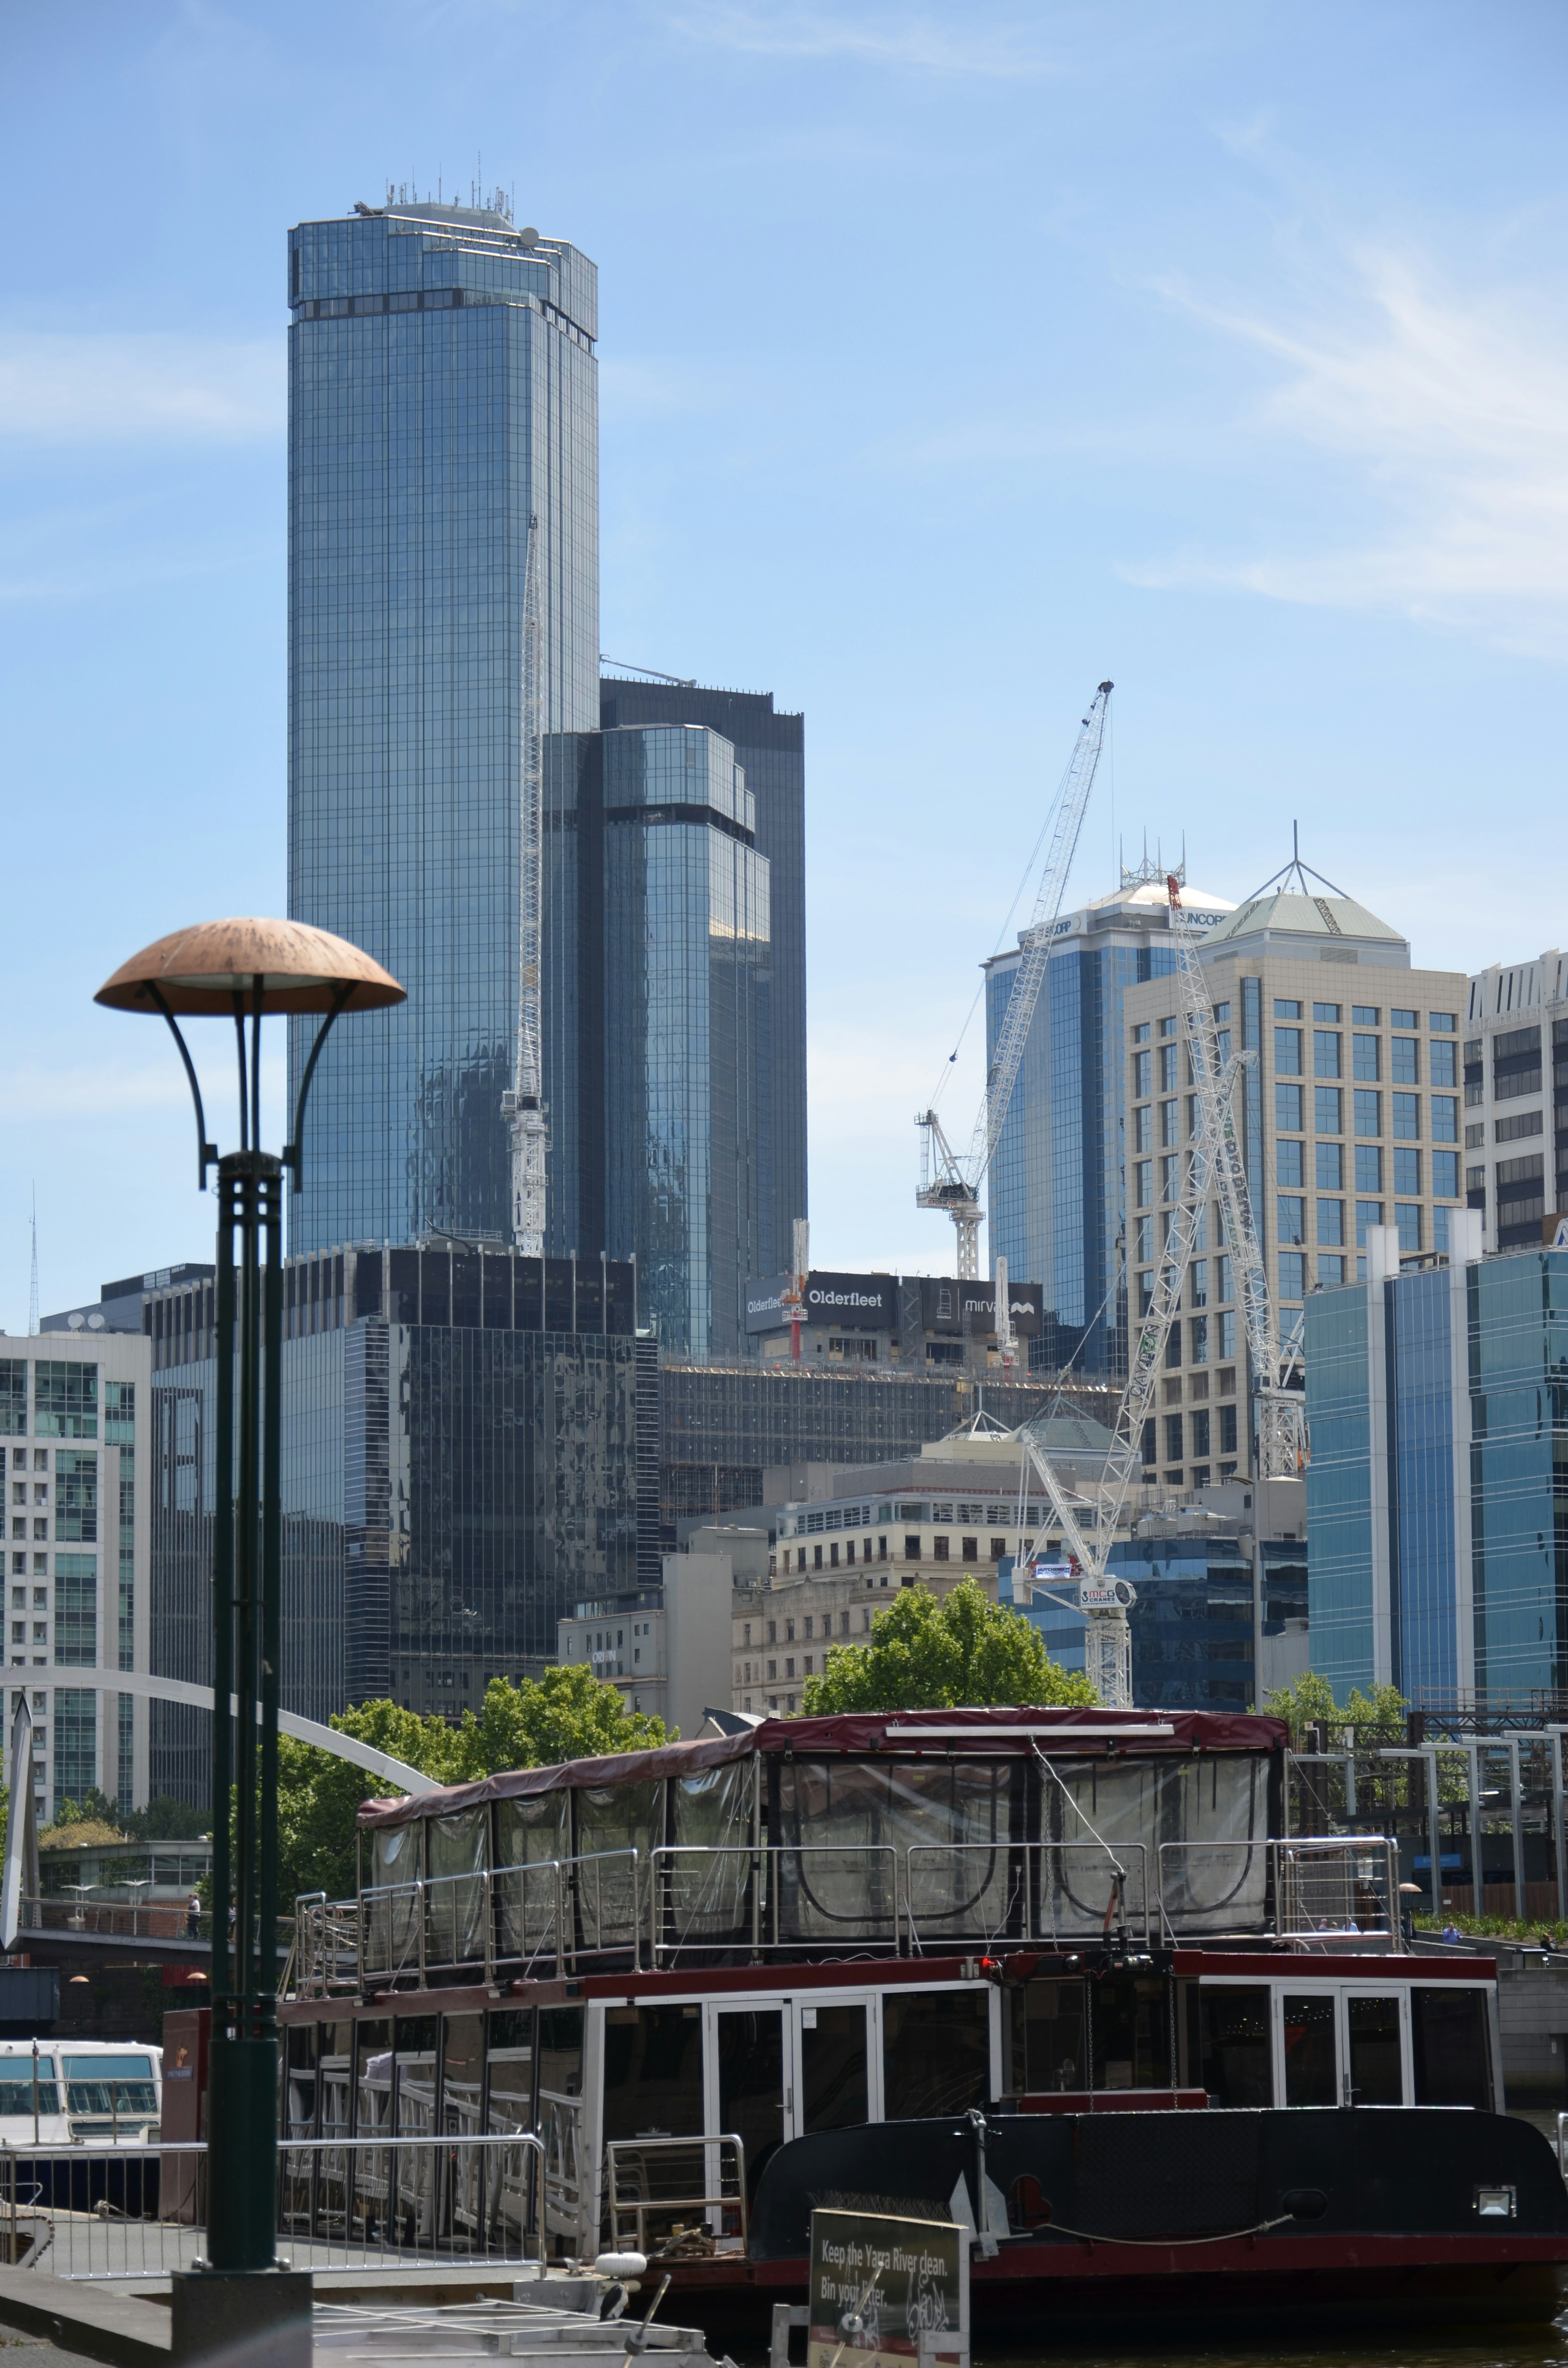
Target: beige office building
1349,1113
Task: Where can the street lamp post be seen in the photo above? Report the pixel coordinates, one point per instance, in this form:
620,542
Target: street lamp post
243,971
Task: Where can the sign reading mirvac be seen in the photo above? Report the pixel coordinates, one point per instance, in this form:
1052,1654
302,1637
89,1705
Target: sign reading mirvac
883,2288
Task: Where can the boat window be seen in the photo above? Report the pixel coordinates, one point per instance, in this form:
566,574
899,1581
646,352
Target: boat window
462,2072
1376,2076
107,2084
1309,2050
710,1896
391,1926
511,2068
17,2085
1235,2046
373,2051
1193,1828
336,2072
528,1835
1049,2052
1132,2032
845,1823
1453,2057
301,2042
612,1820
414,2074
652,2071
454,1897
560,2123
561,2051
936,2053
833,2067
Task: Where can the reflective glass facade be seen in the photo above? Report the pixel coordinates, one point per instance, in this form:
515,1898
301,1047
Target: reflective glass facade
1437,1491
467,1441
442,390
658,1010
770,751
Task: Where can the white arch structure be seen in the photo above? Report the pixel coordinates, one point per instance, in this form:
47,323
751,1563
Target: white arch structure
176,1690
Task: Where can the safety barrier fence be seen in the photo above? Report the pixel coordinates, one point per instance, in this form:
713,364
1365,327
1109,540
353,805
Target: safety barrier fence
343,2204
655,2186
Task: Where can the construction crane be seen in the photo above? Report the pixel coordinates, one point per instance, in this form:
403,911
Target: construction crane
1281,1422
522,1106
946,1180
1088,1529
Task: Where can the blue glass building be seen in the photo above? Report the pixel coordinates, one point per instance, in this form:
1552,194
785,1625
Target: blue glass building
1056,1192
658,999
1437,1491
442,392
771,750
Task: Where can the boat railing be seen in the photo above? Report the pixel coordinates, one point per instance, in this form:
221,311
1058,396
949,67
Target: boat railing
1562,2144
655,2179
1330,1884
343,2204
652,1909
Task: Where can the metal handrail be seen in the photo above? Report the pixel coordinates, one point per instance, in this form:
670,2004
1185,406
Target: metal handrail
1101,1854
1299,1851
638,2207
1261,1844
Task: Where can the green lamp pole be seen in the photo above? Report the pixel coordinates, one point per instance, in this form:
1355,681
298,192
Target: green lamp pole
243,971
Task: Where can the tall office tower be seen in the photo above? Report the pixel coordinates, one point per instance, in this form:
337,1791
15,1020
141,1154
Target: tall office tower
1055,1194
770,751
1348,1115
1516,1097
442,394
657,1006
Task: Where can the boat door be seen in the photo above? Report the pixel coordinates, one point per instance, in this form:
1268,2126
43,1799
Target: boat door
836,2080
747,2087
1343,2044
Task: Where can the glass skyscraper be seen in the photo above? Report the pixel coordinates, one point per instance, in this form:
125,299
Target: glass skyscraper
658,1007
442,392
1437,1490
1056,1196
771,750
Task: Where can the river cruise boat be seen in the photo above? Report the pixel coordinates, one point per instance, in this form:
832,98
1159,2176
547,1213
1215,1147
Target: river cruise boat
1059,1974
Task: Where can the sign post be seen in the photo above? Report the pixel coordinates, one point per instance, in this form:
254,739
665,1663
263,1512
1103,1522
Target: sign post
886,2292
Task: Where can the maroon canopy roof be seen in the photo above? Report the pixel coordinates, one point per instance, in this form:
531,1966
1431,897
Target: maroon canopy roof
1062,1733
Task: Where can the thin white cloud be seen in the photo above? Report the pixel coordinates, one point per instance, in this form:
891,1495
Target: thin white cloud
1455,411
885,37
61,387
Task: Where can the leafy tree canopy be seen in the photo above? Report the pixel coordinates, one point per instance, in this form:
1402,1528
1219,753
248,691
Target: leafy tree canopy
925,1654
165,1819
1374,1718
567,1714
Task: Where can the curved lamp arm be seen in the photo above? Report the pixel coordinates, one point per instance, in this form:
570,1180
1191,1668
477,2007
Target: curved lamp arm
294,1149
206,1153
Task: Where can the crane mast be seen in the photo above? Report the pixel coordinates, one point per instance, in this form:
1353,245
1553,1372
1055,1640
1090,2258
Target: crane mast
946,1181
1281,1426
522,1106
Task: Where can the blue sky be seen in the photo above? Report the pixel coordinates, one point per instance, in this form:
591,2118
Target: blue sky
952,358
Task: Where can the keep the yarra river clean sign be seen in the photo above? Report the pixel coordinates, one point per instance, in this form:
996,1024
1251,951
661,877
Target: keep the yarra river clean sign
884,2289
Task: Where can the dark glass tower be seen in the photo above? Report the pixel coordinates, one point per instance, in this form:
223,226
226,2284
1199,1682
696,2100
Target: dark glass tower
771,750
442,392
658,999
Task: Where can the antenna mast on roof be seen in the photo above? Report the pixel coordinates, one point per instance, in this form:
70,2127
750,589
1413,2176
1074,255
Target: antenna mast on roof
32,1284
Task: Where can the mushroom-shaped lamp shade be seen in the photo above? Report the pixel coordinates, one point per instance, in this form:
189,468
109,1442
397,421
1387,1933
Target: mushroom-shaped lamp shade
200,971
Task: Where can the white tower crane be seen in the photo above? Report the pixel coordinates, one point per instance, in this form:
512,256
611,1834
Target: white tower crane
522,1105
946,1181
1088,1527
1281,1422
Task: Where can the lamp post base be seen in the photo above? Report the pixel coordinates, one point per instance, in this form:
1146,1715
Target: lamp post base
263,2316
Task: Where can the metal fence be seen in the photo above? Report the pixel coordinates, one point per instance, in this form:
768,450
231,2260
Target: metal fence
650,2182
343,2204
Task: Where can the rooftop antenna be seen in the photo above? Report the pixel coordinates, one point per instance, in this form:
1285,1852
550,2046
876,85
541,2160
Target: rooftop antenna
32,1284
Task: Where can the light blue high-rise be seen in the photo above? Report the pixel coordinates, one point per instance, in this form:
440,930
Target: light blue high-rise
442,392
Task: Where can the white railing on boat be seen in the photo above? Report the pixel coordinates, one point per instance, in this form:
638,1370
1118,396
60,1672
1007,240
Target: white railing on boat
651,2180
654,1909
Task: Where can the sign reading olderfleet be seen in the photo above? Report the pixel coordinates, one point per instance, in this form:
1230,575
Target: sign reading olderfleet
949,1306
854,1303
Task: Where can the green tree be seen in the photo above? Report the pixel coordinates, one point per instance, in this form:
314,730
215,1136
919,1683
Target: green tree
165,1819
1364,1721
566,1715
925,1654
